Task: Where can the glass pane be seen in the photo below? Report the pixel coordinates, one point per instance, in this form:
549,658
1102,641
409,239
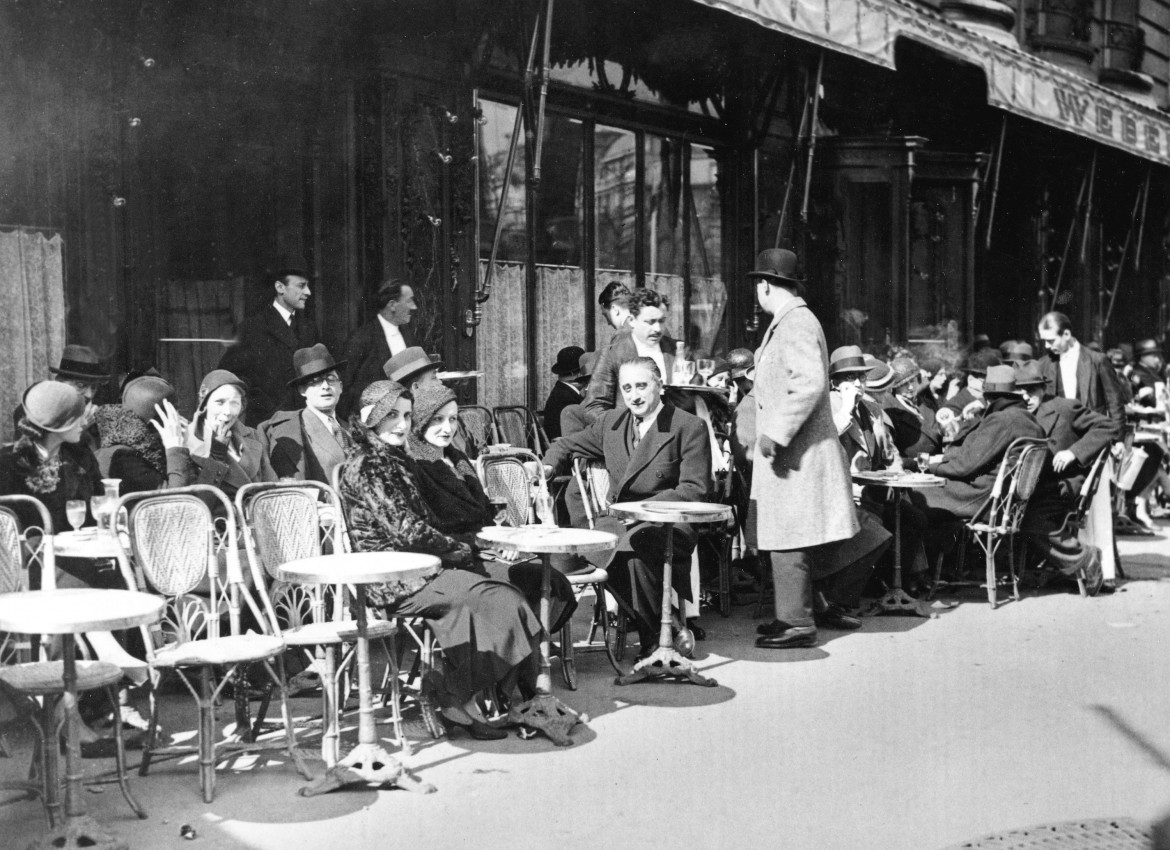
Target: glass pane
665,250
560,217
615,164
707,334
495,136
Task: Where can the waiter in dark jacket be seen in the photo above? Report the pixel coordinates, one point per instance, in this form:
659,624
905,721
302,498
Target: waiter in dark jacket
263,357
379,339
307,444
1078,372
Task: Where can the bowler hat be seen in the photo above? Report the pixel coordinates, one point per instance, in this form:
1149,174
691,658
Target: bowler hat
740,360
778,265
568,360
291,265
1028,374
80,362
312,361
847,358
53,406
1000,380
1147,346
979,362
407,364
141,394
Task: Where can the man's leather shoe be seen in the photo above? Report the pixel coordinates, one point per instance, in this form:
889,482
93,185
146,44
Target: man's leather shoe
790,638
773,628
1109,586
836,617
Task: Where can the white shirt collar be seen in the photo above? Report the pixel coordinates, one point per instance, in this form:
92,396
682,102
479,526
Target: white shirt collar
1073,352
326,419
285,313
648,420
393,333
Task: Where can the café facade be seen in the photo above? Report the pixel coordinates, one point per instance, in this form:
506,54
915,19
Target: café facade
943,170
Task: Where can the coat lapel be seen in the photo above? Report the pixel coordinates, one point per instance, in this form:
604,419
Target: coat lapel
280,329
1084,376
321,441
649,447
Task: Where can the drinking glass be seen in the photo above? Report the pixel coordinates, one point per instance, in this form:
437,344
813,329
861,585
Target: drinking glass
501,507
686,370
75,513
98,507
706,369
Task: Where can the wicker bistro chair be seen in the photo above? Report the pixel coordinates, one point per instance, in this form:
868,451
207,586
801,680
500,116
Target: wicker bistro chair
477,429
505,479
998,520
174,541
518,426
34,688
284,522
420,634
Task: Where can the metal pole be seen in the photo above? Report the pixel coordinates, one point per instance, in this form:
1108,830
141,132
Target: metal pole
995,181
812,136
1088,206
1072,228
548,18
1121,261
1137,253
791,171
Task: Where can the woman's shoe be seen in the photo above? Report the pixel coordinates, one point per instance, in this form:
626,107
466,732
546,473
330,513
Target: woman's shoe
457,718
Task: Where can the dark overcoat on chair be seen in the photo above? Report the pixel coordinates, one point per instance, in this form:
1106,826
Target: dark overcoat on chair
366,352
1097,385
297,444
971,463
1069,425
263,359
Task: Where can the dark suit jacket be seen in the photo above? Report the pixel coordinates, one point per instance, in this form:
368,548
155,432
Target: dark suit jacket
1070,425
603,387
914,434
573,419
671,463
1097,385
366,353
263,360
297,444
970,465
561,396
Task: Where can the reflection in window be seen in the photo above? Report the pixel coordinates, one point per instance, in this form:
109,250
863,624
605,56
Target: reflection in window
708,291
495,136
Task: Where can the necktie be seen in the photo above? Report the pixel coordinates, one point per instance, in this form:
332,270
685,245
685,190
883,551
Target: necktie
341,434
637,435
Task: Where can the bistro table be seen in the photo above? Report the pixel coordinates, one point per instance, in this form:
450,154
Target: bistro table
666,660
67,613
368,762
544,711
897,600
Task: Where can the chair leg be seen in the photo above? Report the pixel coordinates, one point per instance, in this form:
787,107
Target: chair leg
151,741
430,717
989,550
725,576
395,693
120,757
330,745
568,656
206,734
290,735
50,767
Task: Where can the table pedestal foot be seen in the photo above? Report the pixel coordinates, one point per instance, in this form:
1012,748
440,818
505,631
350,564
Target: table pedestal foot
899,603
367,764
549,715
79,832
663,662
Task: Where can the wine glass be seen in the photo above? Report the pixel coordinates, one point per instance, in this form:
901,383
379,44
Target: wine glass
75,513
97,506
686,370
706,369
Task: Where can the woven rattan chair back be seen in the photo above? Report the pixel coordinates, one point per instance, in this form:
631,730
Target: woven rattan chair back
478,429
505,479
26,550
1016,481
593,480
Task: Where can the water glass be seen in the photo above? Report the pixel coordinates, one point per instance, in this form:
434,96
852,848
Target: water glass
99,507
75,513
706,369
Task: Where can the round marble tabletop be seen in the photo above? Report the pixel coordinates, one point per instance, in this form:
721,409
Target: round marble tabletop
359,568
900,480
86,543
652,511
76,610
547,539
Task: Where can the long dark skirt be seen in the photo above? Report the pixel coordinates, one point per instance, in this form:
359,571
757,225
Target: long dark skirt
527,577
485,627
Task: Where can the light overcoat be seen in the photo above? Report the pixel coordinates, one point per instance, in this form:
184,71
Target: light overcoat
802,496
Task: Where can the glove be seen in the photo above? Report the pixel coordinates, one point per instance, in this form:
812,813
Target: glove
767,446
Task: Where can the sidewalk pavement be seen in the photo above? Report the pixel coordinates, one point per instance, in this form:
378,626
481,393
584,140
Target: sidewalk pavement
908,734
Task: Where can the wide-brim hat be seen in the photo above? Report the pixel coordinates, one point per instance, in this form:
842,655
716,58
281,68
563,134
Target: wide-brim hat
82,363
979,362
1147,346
378,400
847,358
568,360
408,363
1028,374
1000,380
215,379
312,361
587,364
880,376
53,406
777,265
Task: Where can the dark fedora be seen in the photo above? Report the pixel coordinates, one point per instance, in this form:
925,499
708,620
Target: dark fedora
568,360
847,358
1028,374
408,364
588,363
1019,353
1000,380
778,265
1147,346
979,362
313,361
80,362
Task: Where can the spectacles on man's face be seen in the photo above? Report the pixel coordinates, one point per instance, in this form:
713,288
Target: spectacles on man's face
317,380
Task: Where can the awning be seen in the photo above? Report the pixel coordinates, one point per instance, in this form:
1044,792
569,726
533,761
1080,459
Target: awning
1017,82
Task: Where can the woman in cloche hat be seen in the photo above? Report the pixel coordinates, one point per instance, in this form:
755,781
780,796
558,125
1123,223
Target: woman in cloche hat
225,451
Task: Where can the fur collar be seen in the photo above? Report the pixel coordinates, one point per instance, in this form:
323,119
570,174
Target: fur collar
119,426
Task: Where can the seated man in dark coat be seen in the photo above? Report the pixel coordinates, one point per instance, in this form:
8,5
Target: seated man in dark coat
566,390
307,444
653,451
1076,435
